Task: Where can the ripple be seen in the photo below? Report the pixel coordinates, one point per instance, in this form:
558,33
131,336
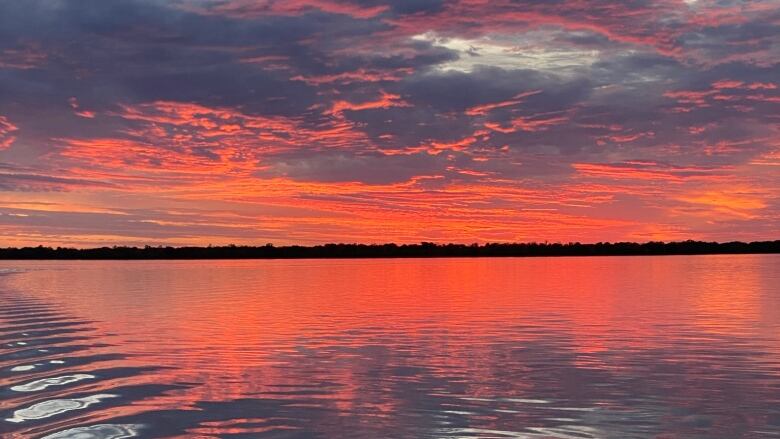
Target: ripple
101,431
42,384
24,368
54,407
525,349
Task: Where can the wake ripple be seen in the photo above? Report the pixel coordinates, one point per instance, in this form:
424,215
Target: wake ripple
51,365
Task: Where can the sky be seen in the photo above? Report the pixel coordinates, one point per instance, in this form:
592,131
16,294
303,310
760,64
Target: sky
195,122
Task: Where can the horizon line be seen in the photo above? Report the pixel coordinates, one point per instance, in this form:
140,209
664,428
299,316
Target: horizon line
392,250
390,243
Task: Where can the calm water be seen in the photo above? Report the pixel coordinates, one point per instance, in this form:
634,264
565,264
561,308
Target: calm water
639,347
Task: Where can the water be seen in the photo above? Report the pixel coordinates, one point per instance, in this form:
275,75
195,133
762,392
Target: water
612,347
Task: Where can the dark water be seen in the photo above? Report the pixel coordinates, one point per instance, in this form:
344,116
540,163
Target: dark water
638,347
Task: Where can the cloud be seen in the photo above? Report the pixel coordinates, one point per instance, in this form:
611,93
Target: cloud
651,171
34,182
248,9
6,130
481,119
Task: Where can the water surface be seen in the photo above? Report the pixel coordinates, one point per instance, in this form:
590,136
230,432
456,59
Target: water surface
610,347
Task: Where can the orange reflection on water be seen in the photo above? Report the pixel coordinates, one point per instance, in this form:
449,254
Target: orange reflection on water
502,344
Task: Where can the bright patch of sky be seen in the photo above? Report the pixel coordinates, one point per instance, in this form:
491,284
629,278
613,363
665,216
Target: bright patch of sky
530,50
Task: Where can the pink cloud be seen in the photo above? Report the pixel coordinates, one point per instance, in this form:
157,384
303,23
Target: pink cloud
6,130
386,100
258,8
532,123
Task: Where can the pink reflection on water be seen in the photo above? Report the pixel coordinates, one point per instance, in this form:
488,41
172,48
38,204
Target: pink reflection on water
449,347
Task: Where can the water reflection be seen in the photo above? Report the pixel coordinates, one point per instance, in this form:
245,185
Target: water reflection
38,385
47,409
518,348
105,431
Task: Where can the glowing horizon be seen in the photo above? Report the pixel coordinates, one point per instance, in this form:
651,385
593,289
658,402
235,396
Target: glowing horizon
196,122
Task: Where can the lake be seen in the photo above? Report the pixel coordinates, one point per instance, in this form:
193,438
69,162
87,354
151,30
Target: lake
606,347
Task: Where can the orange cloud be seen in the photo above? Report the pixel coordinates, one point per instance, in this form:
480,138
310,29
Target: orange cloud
74,103
386,100
359,75
643,170
6,128
533,123
742,94
196,126
740,202
481,110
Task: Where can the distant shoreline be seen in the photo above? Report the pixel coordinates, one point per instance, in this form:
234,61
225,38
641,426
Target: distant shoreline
374,251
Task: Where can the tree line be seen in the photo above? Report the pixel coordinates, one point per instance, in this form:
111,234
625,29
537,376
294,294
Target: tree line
421,250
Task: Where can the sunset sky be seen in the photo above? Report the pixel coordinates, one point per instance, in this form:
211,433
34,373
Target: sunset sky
308,121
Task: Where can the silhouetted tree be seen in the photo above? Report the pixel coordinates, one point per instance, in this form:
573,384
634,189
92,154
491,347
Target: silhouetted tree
391,250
